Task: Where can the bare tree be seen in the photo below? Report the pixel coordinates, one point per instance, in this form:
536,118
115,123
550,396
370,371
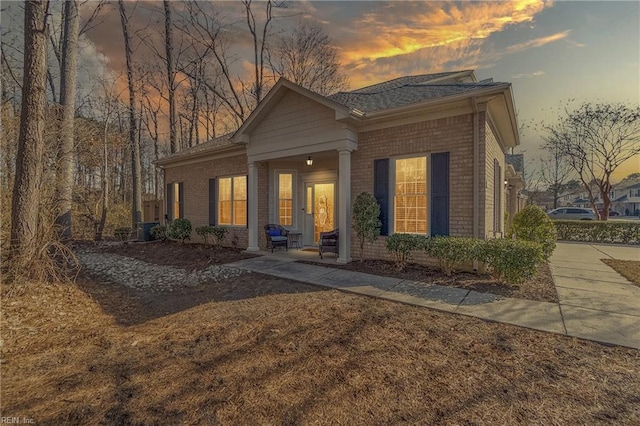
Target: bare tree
259,39
67,101
171,75
136,175
207,31
596,139
29,165
307,57
555,171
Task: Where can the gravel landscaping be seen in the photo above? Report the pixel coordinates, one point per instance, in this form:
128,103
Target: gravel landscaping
143,276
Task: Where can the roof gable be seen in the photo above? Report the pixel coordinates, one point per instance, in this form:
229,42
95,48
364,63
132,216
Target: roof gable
282,87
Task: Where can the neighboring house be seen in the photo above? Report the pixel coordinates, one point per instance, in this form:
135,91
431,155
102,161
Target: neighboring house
625,197
515,181
542,199
429,147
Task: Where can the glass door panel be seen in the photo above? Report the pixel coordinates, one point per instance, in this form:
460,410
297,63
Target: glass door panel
319,210
324,209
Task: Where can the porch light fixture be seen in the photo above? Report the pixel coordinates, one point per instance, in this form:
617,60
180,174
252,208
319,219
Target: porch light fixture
506,182
309,161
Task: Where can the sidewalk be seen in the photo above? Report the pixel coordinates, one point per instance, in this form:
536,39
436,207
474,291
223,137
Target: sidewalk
596,303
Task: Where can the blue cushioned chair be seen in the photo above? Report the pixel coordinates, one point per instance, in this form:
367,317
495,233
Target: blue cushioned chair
276,236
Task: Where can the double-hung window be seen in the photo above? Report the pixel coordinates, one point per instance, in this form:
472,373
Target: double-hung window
175,200
285,199
232,201
410,195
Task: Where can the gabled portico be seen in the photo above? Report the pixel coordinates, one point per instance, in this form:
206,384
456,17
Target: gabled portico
301,125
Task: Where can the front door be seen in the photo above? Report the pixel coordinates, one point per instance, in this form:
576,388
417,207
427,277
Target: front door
319,211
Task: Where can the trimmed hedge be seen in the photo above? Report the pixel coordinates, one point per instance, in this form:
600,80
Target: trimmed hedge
401,246
514,261
180,229
451,251
533,224
159,232
218,233
598,231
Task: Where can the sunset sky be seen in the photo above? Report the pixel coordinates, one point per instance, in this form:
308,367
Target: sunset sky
551,51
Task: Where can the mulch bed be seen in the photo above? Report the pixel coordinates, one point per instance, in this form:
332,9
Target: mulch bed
540,287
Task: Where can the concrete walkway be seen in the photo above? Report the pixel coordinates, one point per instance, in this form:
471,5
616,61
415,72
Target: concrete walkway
596,303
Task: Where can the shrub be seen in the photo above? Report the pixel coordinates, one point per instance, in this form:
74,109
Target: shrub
401,246
598,231
219,234
159,232
122,234
533,224
366,219
452,252
180,229
204,232
514,261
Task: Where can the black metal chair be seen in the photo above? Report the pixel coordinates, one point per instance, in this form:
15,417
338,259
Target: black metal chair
329,242
276,236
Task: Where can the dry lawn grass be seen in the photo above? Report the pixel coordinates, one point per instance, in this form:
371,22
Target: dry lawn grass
630,269
299,356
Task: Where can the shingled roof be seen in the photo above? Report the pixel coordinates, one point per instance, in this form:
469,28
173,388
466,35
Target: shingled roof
404,91
408,80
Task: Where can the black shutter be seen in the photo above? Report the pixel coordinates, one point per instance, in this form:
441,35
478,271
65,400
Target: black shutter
212,202
181,200
247,205
440,194
381,191
169,197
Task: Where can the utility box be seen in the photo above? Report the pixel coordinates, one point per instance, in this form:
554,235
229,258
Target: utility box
144,230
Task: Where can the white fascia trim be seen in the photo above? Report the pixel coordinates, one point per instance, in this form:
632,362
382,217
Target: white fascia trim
198,157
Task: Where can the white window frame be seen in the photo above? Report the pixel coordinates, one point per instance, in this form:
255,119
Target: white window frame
231,225
294,200
392,191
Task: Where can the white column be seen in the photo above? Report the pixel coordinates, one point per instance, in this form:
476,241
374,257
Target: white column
253,207
344,205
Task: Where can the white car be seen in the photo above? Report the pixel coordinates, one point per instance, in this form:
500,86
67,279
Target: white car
572,213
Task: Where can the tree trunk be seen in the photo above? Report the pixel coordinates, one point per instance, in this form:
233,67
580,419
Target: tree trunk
67,100
168,30
29,164
105,186
136,175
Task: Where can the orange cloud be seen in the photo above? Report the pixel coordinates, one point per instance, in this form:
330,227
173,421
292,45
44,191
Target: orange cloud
537,42
429,25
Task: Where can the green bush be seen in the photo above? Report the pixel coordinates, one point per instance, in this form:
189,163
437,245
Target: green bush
180,229
401,246
159,232
123,234
366,219
533,224
514,261
219,234
452,252
597,231
204,232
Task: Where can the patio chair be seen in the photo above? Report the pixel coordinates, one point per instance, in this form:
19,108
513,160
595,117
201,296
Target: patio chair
329,242
276,236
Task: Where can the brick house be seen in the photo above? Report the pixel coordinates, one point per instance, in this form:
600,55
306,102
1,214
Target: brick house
431,148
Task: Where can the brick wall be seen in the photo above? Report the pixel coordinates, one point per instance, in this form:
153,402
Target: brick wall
195,178
453,135
491,149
